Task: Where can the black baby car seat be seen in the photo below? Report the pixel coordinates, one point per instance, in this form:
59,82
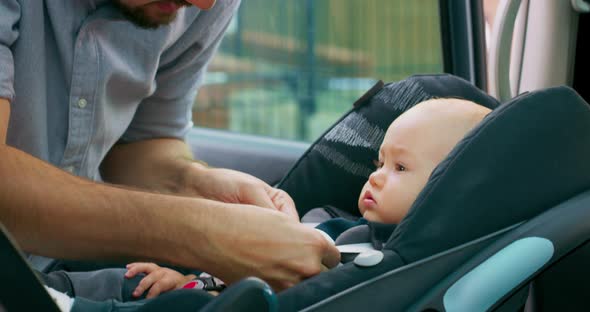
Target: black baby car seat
502,219
475,220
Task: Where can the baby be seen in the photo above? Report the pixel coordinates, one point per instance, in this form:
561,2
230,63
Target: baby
414,144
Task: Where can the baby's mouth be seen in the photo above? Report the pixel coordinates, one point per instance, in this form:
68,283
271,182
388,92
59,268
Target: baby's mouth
369,200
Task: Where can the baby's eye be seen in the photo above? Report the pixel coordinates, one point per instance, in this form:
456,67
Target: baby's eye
400,167
378,163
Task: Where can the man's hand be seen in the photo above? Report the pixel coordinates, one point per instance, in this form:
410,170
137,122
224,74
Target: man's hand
266,244
232,186
166,166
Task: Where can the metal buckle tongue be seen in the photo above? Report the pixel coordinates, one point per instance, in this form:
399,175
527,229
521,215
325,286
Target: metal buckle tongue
206,282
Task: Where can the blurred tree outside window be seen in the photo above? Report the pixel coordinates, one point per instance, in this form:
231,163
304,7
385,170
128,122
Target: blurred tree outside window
291,68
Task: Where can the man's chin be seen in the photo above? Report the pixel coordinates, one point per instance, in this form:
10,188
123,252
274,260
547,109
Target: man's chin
151,22
141,18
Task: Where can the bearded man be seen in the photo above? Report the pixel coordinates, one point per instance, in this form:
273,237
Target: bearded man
95,91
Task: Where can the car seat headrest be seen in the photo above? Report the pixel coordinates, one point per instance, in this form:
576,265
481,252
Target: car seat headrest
333,170
526,156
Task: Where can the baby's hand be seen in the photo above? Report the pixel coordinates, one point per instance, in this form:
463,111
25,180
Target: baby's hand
158,280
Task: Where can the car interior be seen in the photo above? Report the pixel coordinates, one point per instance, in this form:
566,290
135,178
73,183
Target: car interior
500,225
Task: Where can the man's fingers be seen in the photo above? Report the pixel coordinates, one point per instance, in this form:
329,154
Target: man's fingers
284,203
284,285
262,199
331,256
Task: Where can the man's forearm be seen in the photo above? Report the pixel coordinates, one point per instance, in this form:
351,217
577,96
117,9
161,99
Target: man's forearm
158,165
166,166
55,214
4,115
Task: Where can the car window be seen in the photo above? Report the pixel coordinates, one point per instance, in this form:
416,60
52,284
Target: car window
290,68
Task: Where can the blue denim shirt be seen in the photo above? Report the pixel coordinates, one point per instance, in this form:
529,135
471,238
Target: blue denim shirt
80,77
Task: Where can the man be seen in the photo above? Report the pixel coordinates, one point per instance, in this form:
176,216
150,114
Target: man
102,90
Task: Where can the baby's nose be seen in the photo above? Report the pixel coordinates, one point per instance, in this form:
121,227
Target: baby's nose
376,178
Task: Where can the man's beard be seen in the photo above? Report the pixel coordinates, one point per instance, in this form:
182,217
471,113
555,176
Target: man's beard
138,17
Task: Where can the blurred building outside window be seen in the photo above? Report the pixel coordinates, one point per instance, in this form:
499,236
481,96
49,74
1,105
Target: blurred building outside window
290,68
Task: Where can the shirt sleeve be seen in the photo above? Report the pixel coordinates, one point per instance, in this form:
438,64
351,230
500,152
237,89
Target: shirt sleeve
168,112
9,17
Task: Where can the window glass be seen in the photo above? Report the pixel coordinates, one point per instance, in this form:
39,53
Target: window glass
290,68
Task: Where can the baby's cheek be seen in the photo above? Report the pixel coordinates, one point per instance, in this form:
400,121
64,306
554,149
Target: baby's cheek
360,200
362,208
391,216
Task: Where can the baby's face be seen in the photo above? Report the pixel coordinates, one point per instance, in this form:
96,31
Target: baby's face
415,143
405,163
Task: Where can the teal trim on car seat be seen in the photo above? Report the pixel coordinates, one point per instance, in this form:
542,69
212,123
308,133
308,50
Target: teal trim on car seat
483,286
271,299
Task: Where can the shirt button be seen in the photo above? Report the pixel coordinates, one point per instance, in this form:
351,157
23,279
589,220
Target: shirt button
69,169
82,103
